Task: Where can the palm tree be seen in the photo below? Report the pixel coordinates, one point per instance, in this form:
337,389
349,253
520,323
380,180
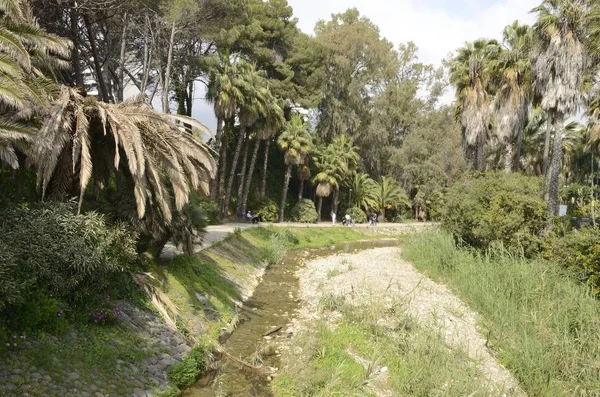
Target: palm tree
512,70
329,177
252,106
303,176
469,73
84,139
264,128
364,191
224,92
559,66
389,194
26,52
343,147
296,142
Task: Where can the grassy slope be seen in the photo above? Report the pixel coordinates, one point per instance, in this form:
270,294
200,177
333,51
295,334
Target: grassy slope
542,325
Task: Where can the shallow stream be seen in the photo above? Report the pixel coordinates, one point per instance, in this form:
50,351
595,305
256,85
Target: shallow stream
273,305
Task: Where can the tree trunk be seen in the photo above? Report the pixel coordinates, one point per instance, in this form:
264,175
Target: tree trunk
593,198
233,168
336,199
480,154
96,59
263,186
75,53
242,179
214,184
121,73
319,208
301,190
517,167
286,184
555,166
249,176
508,157
222,175
547,146
167,81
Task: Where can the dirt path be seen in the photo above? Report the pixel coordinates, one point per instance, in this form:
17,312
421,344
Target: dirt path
382,273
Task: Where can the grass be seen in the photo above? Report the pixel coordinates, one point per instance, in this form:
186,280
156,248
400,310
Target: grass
347,359
543,326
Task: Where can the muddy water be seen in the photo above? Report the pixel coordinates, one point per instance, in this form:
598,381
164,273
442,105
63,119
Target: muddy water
273,305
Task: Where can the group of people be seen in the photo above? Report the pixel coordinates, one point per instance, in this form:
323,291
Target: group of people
348,221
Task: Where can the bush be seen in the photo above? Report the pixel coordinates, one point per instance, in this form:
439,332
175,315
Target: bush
497,207
305,212
266,208
71,257
185,373
579,252
357,215
209,211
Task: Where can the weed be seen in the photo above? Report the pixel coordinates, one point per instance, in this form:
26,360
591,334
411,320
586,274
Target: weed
185,373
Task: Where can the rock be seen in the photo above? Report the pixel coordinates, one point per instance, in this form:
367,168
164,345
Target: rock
36,375
383,370
47,378
74,375
10,386
139,392
17,379
183,348
98,394
16,371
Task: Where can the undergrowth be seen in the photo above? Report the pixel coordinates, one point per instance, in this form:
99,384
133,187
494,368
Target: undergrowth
543,325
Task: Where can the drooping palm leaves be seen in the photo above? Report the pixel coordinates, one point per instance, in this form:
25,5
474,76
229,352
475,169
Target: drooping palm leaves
364,191
26,51
296,142
331,169
84,139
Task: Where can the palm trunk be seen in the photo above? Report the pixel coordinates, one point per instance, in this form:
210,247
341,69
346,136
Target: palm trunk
222,175
508,157
249,177
167,81
263,186
547,146
241,180
555,166
336,200
121,73
319,208
593,199
233,168
286,184
479,154
301,190
218,137
75,52
96,59
517,167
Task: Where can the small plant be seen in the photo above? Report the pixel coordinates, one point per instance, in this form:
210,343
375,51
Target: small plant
104,312
330,302
185,373
237,232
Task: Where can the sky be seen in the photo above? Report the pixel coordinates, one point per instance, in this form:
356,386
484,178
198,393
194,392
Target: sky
437,27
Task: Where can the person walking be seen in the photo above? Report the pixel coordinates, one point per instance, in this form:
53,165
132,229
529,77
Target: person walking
333,216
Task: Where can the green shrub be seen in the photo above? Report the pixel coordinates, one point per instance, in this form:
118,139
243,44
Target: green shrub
209,211
357,215
185,373
304,212
579,252
48,247
497,207
41,312
267,209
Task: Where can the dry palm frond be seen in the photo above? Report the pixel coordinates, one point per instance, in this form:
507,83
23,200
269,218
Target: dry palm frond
155,150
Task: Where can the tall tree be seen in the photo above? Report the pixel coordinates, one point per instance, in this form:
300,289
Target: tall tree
343,148
470,75
512,72
389,194
560,64
296,143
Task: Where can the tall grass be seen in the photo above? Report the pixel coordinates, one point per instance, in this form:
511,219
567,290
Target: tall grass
543,326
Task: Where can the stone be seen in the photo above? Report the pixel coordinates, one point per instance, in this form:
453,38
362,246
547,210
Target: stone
183,348
10,386
16,371
98,394
74,375
36,375
139,392
383,370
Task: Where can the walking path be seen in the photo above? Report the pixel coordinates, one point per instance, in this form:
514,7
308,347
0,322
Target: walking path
218,233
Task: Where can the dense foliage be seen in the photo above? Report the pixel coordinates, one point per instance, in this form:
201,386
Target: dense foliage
497,207
357,215
304,212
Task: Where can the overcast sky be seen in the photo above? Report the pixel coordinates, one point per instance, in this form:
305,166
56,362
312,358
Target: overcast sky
437,27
